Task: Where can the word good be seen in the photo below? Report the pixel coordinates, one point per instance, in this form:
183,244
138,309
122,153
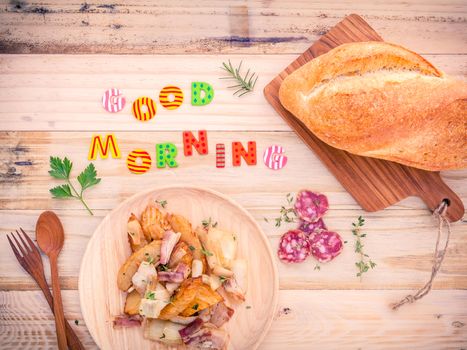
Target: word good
170,97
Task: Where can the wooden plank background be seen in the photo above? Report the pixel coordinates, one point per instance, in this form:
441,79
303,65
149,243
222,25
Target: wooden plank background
50,105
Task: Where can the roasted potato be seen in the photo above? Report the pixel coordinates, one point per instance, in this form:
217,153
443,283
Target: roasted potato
129,268
182,225
154,223
205,298
135,234
184,297
133,300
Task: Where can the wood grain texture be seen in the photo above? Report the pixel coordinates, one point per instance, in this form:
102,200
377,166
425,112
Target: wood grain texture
147,27
56,93
400,241
75,85
374,183
315,319
108,249
24,179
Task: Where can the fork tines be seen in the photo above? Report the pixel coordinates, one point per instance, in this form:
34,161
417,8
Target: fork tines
26,252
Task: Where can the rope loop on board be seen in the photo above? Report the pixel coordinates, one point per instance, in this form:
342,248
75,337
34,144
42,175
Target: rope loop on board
440,214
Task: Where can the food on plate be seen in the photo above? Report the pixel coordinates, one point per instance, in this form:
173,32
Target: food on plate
381,100
310,206
132,264
180,281
154,223
310,238
294,247
325,245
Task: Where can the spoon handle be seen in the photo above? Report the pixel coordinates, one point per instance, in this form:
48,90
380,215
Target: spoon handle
58,306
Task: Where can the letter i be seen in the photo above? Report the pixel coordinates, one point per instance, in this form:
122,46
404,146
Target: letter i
220,155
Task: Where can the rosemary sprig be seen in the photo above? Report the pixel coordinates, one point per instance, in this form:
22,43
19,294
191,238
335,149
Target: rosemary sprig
245,84
365,263
288,214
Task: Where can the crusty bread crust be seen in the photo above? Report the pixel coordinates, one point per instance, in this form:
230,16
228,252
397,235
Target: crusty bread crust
380,100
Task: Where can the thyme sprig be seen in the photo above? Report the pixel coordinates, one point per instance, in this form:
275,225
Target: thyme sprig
245,84
287,214
365,263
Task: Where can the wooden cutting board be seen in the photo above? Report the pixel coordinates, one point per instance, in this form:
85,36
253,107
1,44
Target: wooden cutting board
375,184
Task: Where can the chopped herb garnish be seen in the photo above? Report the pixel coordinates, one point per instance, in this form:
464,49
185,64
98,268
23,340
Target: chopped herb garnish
162,203
317,267
266,219
248,307
206,252
208,223
162,336
365,263
222,279
163,267
76,322
195,307
150,260
150,295
192,248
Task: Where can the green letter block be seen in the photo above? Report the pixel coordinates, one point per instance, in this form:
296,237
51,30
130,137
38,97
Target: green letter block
166,153
196,96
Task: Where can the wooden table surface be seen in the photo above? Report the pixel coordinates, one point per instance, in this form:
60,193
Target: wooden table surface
57,58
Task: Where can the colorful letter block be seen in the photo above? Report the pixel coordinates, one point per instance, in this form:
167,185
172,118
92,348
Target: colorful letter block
138,161
97,146
166,101
200,145
239,152
166,154
113,101
273,157
201,93
150,105
220,155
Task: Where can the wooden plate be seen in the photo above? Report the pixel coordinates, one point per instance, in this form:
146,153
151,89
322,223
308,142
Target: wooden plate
108,248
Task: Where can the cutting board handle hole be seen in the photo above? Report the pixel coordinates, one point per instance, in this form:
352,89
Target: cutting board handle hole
447,201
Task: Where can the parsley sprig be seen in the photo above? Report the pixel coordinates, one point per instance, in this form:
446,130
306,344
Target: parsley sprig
61,169
365,263
287,214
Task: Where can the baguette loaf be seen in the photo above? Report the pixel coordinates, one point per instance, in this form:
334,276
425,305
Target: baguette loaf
381,100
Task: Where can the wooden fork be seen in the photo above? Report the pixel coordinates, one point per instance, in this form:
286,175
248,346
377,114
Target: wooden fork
30,259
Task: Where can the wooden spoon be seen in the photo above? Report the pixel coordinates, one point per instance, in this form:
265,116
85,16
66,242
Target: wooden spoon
50,237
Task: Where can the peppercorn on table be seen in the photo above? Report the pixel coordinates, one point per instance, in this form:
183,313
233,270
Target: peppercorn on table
59,57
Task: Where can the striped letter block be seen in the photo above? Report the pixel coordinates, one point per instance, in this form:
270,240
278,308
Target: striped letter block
239,152
138,108
113,101
138,161
97,146
273,157
220,155
200,145
171,103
